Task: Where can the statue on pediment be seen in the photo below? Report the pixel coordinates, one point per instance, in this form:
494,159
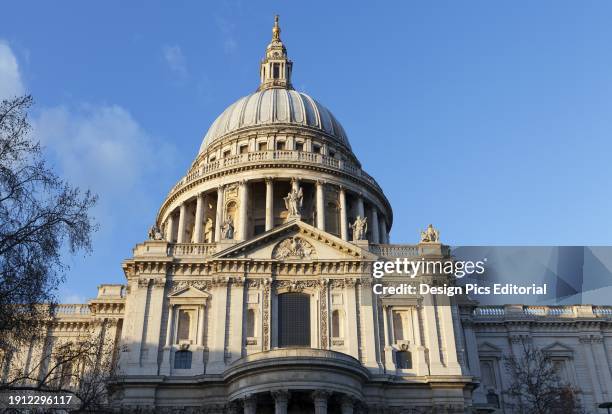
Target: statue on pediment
293,202
155,233
430,235
360,228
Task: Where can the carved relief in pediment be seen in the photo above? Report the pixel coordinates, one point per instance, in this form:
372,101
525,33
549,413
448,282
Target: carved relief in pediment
294,248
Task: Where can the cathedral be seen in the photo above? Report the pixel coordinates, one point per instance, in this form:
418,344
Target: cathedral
253,291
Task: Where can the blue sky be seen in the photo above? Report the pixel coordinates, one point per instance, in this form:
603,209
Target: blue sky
489,119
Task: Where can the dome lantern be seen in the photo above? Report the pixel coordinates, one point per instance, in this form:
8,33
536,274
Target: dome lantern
275,69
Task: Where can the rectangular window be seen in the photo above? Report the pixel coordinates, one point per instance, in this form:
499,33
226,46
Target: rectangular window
293,319
262,146
316,148
182,360
185,322
276,71
280,145
244,149
299,146
227,153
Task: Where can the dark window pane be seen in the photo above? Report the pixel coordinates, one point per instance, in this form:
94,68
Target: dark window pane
403,360
182,360
293,319
250,323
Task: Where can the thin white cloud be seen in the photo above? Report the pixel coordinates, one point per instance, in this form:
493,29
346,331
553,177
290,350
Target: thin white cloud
103,148
174,57
227,29
11,83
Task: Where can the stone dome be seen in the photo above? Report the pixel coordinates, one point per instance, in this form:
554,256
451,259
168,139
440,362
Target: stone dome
275,106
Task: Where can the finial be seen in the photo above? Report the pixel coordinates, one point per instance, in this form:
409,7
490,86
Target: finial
276,29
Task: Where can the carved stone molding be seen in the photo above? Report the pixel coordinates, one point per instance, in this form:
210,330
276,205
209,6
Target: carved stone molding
266,314
324,316
297,285
183,284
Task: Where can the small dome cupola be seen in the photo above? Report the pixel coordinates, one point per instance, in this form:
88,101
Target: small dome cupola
275,70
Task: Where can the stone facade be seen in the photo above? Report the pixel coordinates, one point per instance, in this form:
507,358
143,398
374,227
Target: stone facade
276,212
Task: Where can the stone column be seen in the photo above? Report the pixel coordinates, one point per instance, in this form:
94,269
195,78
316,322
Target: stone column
383,230
320,401
374,226
244,200
217,336
343,216
170,325
320,205
181,227
250,404
281,401
347,405
219,217
360,208
170,228
236,309
197,232
151,324
269,203
351,341
599,354
167,351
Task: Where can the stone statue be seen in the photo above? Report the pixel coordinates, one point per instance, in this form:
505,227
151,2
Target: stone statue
360,228
208,231
155,233
227,229
430,235
293,202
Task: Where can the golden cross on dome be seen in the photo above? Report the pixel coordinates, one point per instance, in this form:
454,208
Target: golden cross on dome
276,29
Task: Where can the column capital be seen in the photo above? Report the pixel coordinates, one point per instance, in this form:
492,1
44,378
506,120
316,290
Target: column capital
269,179
244,181
280,395
321,395
320,181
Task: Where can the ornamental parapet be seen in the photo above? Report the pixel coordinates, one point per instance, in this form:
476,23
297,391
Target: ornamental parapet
192,249
528,312
271,158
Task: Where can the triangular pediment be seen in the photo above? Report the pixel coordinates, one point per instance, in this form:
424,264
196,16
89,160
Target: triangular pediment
189,292
558,348
295,241
488,349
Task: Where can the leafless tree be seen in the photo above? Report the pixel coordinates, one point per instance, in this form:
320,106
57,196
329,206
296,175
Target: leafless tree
80,367
536,387
41,216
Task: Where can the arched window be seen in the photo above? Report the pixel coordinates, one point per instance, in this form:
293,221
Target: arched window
182,360
336,324
250,323
184,326
293,319
398,326
403,360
